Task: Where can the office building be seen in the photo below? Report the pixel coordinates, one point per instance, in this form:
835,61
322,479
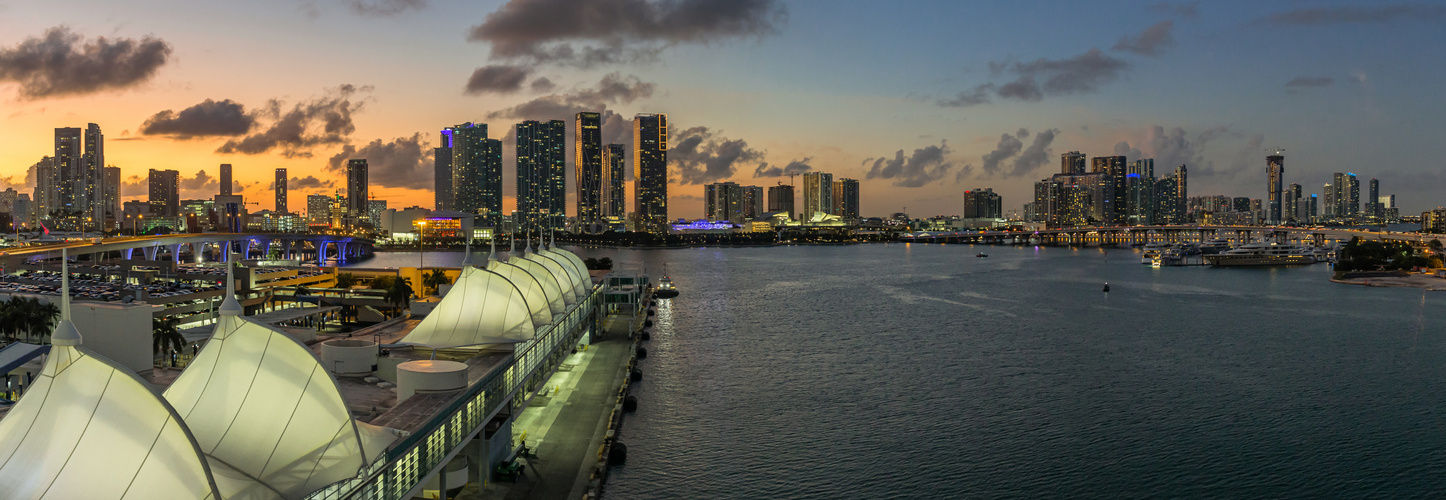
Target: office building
1373,204
90,183
650,170
442,171
165,194
318,209
614,181
356,188
541,175
111,195
1140,197
1353,195
846,198
1313,210
476,172
588,163
280,186
1072,162
47,187
723,201
225,179
780,199
375,208
1292,202
817,195
69,169
983,204
753,202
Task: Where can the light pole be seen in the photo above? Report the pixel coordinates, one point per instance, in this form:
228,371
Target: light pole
421,233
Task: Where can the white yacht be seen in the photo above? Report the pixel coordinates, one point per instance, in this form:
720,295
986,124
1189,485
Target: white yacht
1263,254
1153,250
1215,246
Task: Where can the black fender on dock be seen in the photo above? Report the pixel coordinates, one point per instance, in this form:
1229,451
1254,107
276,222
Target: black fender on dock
636,376
618,454
630,403
642,353
647,323
646,336
652,312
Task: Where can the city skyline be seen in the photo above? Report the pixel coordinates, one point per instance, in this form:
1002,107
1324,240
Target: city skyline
1159,87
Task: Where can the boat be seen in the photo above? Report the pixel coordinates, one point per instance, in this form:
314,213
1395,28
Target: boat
981,254
666,289
1215,246
1152,250
1263,254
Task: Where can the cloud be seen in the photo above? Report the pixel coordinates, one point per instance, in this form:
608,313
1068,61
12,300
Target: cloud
309,182
497,78
1040,78
926,165
207,119
972,97
702,156
316,122
1026,160
1305,82
542,84
1320,16
382,8
63,63
135,185
618,31
795,167
1151,42
613,88
200,182
1183,11
404,162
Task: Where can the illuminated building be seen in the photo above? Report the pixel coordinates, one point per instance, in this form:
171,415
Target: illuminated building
650,170
1275,187
112,193
614,180
356,188
541,175
165,194
588,163
780,199
983,204
1072,162
846,198
281,191
752,202
225,183
318,209
47,186
476,172
817,194
723,202
442,171
1373,205
1292,202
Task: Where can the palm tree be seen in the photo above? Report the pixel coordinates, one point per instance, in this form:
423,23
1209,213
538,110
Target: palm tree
165,336
43,317
345,280
383,282
435,279
10,320
400,293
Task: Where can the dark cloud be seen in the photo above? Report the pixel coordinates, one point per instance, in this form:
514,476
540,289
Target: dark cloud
135,185
1151,42
542,84
1304,82
972,97
795,167
702,156
207,119
599,32
316,122
1040,78
497,78
613,88
1124,149
64,63
926,165
1347,15
202,182
1026,160
1183,11
382,8
308,182
404,162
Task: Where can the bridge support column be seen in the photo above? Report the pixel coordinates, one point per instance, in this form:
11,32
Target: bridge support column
128,252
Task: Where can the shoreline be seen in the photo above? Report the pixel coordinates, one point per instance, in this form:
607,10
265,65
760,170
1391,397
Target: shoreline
1424,282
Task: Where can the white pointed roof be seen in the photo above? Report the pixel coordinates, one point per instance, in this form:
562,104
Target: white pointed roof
564,278
576,262
550,288
88,428
580,279
481,308
259,401
531,291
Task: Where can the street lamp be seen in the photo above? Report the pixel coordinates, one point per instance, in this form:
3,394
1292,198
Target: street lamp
421,233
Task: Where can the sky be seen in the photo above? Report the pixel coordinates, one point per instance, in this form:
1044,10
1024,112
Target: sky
919,100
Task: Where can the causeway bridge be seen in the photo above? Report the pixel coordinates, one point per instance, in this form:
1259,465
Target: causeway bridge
1140,235
318,248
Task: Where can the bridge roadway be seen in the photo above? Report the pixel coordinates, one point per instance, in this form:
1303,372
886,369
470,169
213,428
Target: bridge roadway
321,246
1127,235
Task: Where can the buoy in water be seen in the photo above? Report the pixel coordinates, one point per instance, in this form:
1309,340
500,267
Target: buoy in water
1107,288
630,403
618,454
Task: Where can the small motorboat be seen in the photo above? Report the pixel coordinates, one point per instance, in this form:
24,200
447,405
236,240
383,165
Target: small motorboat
666,289
981,255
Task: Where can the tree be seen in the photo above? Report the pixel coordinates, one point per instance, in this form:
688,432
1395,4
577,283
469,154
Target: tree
11,322
165,336
382,282
345,280
399,295
435,279
42,317
602,264
1435,246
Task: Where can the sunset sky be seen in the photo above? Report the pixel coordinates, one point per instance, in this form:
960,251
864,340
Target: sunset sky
920,100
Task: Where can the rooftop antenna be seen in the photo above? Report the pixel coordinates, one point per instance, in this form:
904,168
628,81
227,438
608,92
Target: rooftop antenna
229,305
65,333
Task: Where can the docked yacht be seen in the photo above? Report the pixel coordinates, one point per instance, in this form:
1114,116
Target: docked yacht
1215,246
666,289
1263,254
1153,250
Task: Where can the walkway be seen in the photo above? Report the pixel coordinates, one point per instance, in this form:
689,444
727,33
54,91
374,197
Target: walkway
566,428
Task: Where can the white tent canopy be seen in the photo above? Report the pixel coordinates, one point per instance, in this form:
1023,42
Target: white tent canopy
578,263
259,401
482,308
550,288
580,280
564,278
531,291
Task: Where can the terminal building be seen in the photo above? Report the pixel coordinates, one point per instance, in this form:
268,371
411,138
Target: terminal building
407,408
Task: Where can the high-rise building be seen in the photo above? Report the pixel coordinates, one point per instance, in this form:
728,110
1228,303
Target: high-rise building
112,194
983,204
817,194
1275,187
90,200
69,171
1072,162
846,198
281,190
752,202
723,201
650,170
541,175
1140,197
375,209
165,193
318,208
476,172
1330,200
780,199
588,163
1292,202
442,171
1110,196
1313,211
47,187
1373,204
614,181
356,188
225,179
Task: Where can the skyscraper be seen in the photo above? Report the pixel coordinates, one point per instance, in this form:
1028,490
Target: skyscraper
752,202
817,194
983,204
723,201
614,182
1353,196
356,188
846,198
588,163
318,209
90,198
650,170
780,199
225,179
69,169
541,175
476,172
1292,202
281,190
442,171
165,194
47,188
1072,162
1330,197
1275,187
1373,204
111,192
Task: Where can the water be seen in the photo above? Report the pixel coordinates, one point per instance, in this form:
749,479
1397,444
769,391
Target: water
920,371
